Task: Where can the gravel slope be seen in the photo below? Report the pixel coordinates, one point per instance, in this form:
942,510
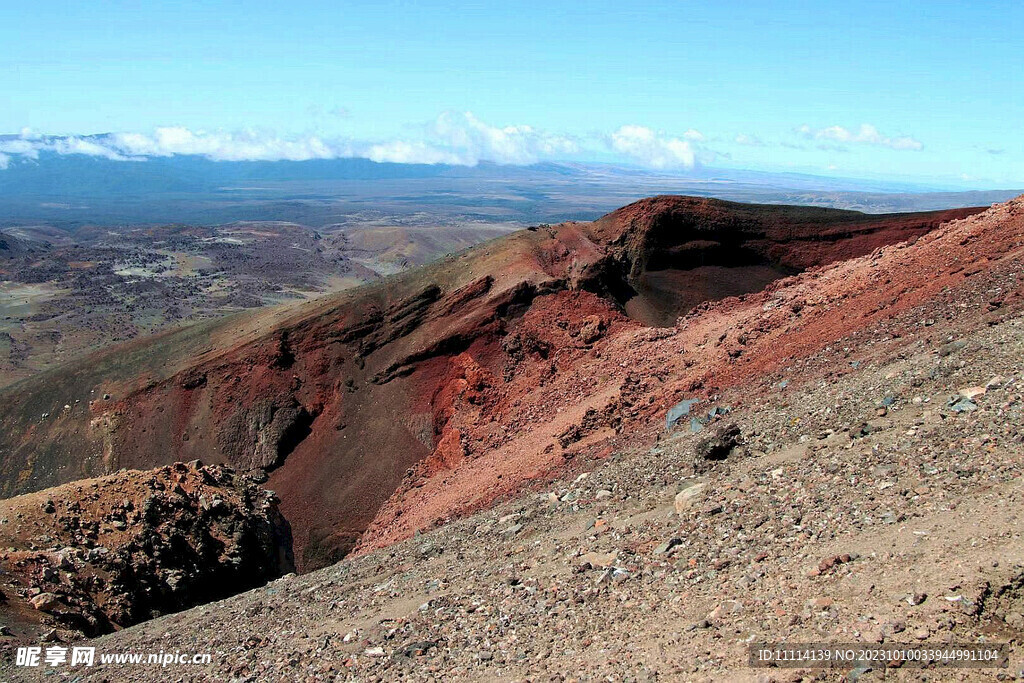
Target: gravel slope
816,529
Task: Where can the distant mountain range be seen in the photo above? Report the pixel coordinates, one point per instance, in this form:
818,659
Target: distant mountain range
75,189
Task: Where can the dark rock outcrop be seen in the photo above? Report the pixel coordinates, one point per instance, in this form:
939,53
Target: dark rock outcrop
98,555
718,445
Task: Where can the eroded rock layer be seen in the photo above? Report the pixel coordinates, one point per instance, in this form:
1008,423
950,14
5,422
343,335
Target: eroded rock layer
448,386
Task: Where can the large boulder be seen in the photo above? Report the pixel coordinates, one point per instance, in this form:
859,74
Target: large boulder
718,445
101,554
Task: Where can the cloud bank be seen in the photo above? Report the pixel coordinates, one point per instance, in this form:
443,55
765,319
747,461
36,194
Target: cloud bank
454,138
462,138
656,150
221,146
866,134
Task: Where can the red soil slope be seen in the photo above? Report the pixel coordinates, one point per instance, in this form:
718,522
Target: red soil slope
617,393
395,406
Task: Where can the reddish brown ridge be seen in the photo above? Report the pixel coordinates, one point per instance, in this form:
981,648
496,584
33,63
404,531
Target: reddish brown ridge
398,405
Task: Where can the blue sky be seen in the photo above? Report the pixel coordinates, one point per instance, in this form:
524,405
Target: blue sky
912,90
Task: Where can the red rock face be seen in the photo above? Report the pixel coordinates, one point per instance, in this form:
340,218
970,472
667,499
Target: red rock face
397,406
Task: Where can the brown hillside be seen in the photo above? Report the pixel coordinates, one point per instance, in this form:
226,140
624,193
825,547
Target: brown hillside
401,404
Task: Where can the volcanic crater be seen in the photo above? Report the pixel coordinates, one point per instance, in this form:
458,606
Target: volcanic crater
396,406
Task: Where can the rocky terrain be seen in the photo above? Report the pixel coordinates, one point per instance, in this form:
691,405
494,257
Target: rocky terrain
97,555
459,356
836,458
489,368
530,481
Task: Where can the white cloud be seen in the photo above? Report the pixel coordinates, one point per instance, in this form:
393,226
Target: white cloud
223,146
653,149
866,134
454,138
20,147
462,138
478,141
400,152
749,140
457,138
171,141
85,146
